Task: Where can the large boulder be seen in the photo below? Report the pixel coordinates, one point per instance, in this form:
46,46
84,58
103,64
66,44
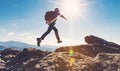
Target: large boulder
108,46
93,39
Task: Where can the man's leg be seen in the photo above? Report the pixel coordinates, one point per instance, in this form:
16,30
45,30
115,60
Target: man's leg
57,34
45,34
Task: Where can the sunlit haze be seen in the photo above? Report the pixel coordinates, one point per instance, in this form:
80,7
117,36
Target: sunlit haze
70,7
23,20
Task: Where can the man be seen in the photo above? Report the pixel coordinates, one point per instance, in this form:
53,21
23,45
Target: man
51,27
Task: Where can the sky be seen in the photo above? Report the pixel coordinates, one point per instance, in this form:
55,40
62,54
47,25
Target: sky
23,20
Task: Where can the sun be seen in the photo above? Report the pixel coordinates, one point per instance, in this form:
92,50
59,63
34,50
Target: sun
70,7
73,8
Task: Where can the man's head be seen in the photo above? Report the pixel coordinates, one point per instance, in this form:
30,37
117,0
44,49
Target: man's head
56,10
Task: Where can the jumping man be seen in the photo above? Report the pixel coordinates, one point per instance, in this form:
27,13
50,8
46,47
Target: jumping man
51,17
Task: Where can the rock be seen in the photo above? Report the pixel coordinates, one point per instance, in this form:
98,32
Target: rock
25,59
2,64
95,45
107,62
93,39
8,54
59,61
89,50
108,46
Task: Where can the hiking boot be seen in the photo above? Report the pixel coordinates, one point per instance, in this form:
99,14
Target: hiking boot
59,41
38,41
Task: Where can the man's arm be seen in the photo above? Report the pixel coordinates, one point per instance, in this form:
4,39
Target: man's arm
63,17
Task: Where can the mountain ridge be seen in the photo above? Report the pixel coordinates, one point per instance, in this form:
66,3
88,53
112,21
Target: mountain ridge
97,55
21,45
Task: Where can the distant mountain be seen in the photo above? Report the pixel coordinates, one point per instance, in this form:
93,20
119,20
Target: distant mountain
15,44
21,45
2,47
47,47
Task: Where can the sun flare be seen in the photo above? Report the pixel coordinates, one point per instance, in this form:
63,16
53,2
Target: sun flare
70,7
73,8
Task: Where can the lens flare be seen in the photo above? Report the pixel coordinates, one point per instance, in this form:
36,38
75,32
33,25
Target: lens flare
72,61
71,53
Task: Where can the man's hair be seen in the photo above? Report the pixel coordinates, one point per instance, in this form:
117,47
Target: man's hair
56,9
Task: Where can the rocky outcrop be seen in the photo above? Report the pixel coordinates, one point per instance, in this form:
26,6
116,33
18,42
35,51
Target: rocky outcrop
8,54
93,39
60,61
56,61
25,59
108,46
95,45
106,62
97,55
89,50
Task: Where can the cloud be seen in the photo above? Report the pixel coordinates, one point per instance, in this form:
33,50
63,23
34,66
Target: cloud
14,25
2,30
11,33
25,34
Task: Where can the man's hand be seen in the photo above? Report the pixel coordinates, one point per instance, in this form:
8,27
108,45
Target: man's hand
63,17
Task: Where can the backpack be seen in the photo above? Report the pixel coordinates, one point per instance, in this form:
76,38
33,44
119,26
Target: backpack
49,15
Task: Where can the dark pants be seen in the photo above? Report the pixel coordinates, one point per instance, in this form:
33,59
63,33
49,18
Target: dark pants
50,28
